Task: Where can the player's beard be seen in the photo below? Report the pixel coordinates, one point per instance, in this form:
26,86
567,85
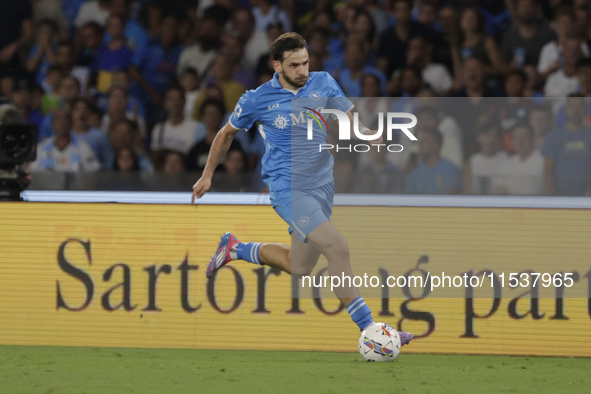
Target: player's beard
298,83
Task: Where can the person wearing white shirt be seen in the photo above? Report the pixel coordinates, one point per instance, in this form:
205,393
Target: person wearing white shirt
482,168
178,132
62,152
265,13
255,41
550,57
522,173
93,11
564,81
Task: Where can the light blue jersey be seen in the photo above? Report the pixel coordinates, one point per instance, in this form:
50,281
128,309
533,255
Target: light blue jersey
282,123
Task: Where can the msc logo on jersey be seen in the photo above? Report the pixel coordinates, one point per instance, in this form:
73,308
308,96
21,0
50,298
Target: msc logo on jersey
280,122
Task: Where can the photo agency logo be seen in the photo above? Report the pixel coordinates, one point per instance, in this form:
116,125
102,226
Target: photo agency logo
393,120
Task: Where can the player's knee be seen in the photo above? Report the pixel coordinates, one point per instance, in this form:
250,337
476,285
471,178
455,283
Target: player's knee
338,250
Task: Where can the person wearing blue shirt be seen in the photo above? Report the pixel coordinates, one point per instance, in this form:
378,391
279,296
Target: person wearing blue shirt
435,175
350,77
567,153
298,174
112,57
134,33
156,67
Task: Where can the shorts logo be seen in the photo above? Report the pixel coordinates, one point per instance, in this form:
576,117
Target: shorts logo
280,122
304,221
315,95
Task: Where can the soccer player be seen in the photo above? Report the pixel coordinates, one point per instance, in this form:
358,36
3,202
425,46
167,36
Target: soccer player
300,181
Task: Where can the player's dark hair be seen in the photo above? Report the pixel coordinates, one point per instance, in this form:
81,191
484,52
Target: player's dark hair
286,42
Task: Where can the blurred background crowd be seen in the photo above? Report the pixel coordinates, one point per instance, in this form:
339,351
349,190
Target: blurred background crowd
128,91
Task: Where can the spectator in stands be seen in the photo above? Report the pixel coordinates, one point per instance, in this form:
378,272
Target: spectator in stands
93,11
91,38
65,60
134,33
408,82
466,110
522,173
540,121
436,75
265,13
234,52
551,56
124,134
16,31
584,76
221,76
363,29
523,43
126,160
51,10
564,81
482,168
42,54
178,132
190,82
111,57
62,152
451,143
157,9
254,41
318,40
174,163
21,98
435,175
155,69
567,153
117,110
355,66
212,113
393,41
199,55
95,138
427,14
475,43
379,176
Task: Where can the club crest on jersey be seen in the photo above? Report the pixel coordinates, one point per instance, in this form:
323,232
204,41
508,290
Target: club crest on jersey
280,122
315,95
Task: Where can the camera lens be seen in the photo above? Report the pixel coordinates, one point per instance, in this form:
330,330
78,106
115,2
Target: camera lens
16,143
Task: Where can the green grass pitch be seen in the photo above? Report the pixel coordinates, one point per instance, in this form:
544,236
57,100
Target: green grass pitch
26,369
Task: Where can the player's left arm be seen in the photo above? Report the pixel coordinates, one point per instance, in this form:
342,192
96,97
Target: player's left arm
363,129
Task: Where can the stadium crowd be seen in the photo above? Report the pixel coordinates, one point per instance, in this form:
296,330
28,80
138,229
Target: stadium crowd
499,87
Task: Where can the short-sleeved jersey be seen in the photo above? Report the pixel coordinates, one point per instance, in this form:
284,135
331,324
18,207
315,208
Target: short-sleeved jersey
291,160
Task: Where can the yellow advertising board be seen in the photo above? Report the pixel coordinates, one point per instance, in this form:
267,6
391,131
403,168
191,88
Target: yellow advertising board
133,275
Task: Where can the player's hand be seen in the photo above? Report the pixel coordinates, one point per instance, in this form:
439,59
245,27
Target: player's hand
199,188
378,140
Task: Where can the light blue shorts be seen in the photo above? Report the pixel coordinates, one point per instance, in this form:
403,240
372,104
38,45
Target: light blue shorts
304,210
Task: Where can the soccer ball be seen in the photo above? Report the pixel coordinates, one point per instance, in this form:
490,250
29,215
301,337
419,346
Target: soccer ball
379,342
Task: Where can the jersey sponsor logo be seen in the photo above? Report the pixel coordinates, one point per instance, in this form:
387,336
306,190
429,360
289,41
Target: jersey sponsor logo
270,107
280,122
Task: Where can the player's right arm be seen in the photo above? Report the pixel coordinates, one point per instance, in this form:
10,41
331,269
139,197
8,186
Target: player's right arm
218,150
243,117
